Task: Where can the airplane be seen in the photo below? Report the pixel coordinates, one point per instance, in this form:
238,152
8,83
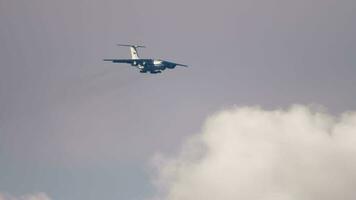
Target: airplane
153,66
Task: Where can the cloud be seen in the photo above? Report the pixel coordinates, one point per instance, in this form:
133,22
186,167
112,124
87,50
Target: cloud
36,196
254,154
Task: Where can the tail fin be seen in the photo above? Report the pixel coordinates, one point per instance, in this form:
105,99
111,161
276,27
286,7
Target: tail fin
134,54
133,49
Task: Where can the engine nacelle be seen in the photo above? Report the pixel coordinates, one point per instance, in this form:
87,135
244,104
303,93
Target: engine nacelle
134,63
171,66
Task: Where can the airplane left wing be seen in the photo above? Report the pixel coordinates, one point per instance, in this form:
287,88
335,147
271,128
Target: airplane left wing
181,65
176,64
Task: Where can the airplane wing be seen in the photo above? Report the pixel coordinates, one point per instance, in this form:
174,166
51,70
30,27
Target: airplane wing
176,64
129,61
181,65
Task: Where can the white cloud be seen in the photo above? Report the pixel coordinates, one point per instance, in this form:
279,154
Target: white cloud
252,154
36,196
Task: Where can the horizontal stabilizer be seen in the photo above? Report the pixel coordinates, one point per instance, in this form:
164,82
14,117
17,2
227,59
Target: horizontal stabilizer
131,45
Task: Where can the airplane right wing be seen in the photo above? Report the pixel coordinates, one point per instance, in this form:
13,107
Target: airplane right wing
129,61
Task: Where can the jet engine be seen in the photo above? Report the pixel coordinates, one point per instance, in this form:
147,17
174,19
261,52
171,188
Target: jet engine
171,66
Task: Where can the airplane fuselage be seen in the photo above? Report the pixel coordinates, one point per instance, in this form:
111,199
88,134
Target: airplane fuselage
152,65
145,65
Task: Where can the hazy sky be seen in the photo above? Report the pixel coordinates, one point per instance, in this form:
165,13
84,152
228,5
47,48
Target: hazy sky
73,127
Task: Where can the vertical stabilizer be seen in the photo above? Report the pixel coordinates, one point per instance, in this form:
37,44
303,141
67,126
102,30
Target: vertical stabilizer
134,54
133,49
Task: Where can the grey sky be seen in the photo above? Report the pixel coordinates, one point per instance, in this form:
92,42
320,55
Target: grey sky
75,127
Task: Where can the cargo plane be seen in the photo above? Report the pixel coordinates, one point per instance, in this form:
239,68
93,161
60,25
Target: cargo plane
145,64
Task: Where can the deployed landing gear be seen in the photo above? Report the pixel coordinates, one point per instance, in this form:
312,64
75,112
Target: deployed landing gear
151,71
155,72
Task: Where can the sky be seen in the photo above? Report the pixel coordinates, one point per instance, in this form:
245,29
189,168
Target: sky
75,127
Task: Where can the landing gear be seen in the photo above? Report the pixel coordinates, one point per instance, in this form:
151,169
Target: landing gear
155,72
